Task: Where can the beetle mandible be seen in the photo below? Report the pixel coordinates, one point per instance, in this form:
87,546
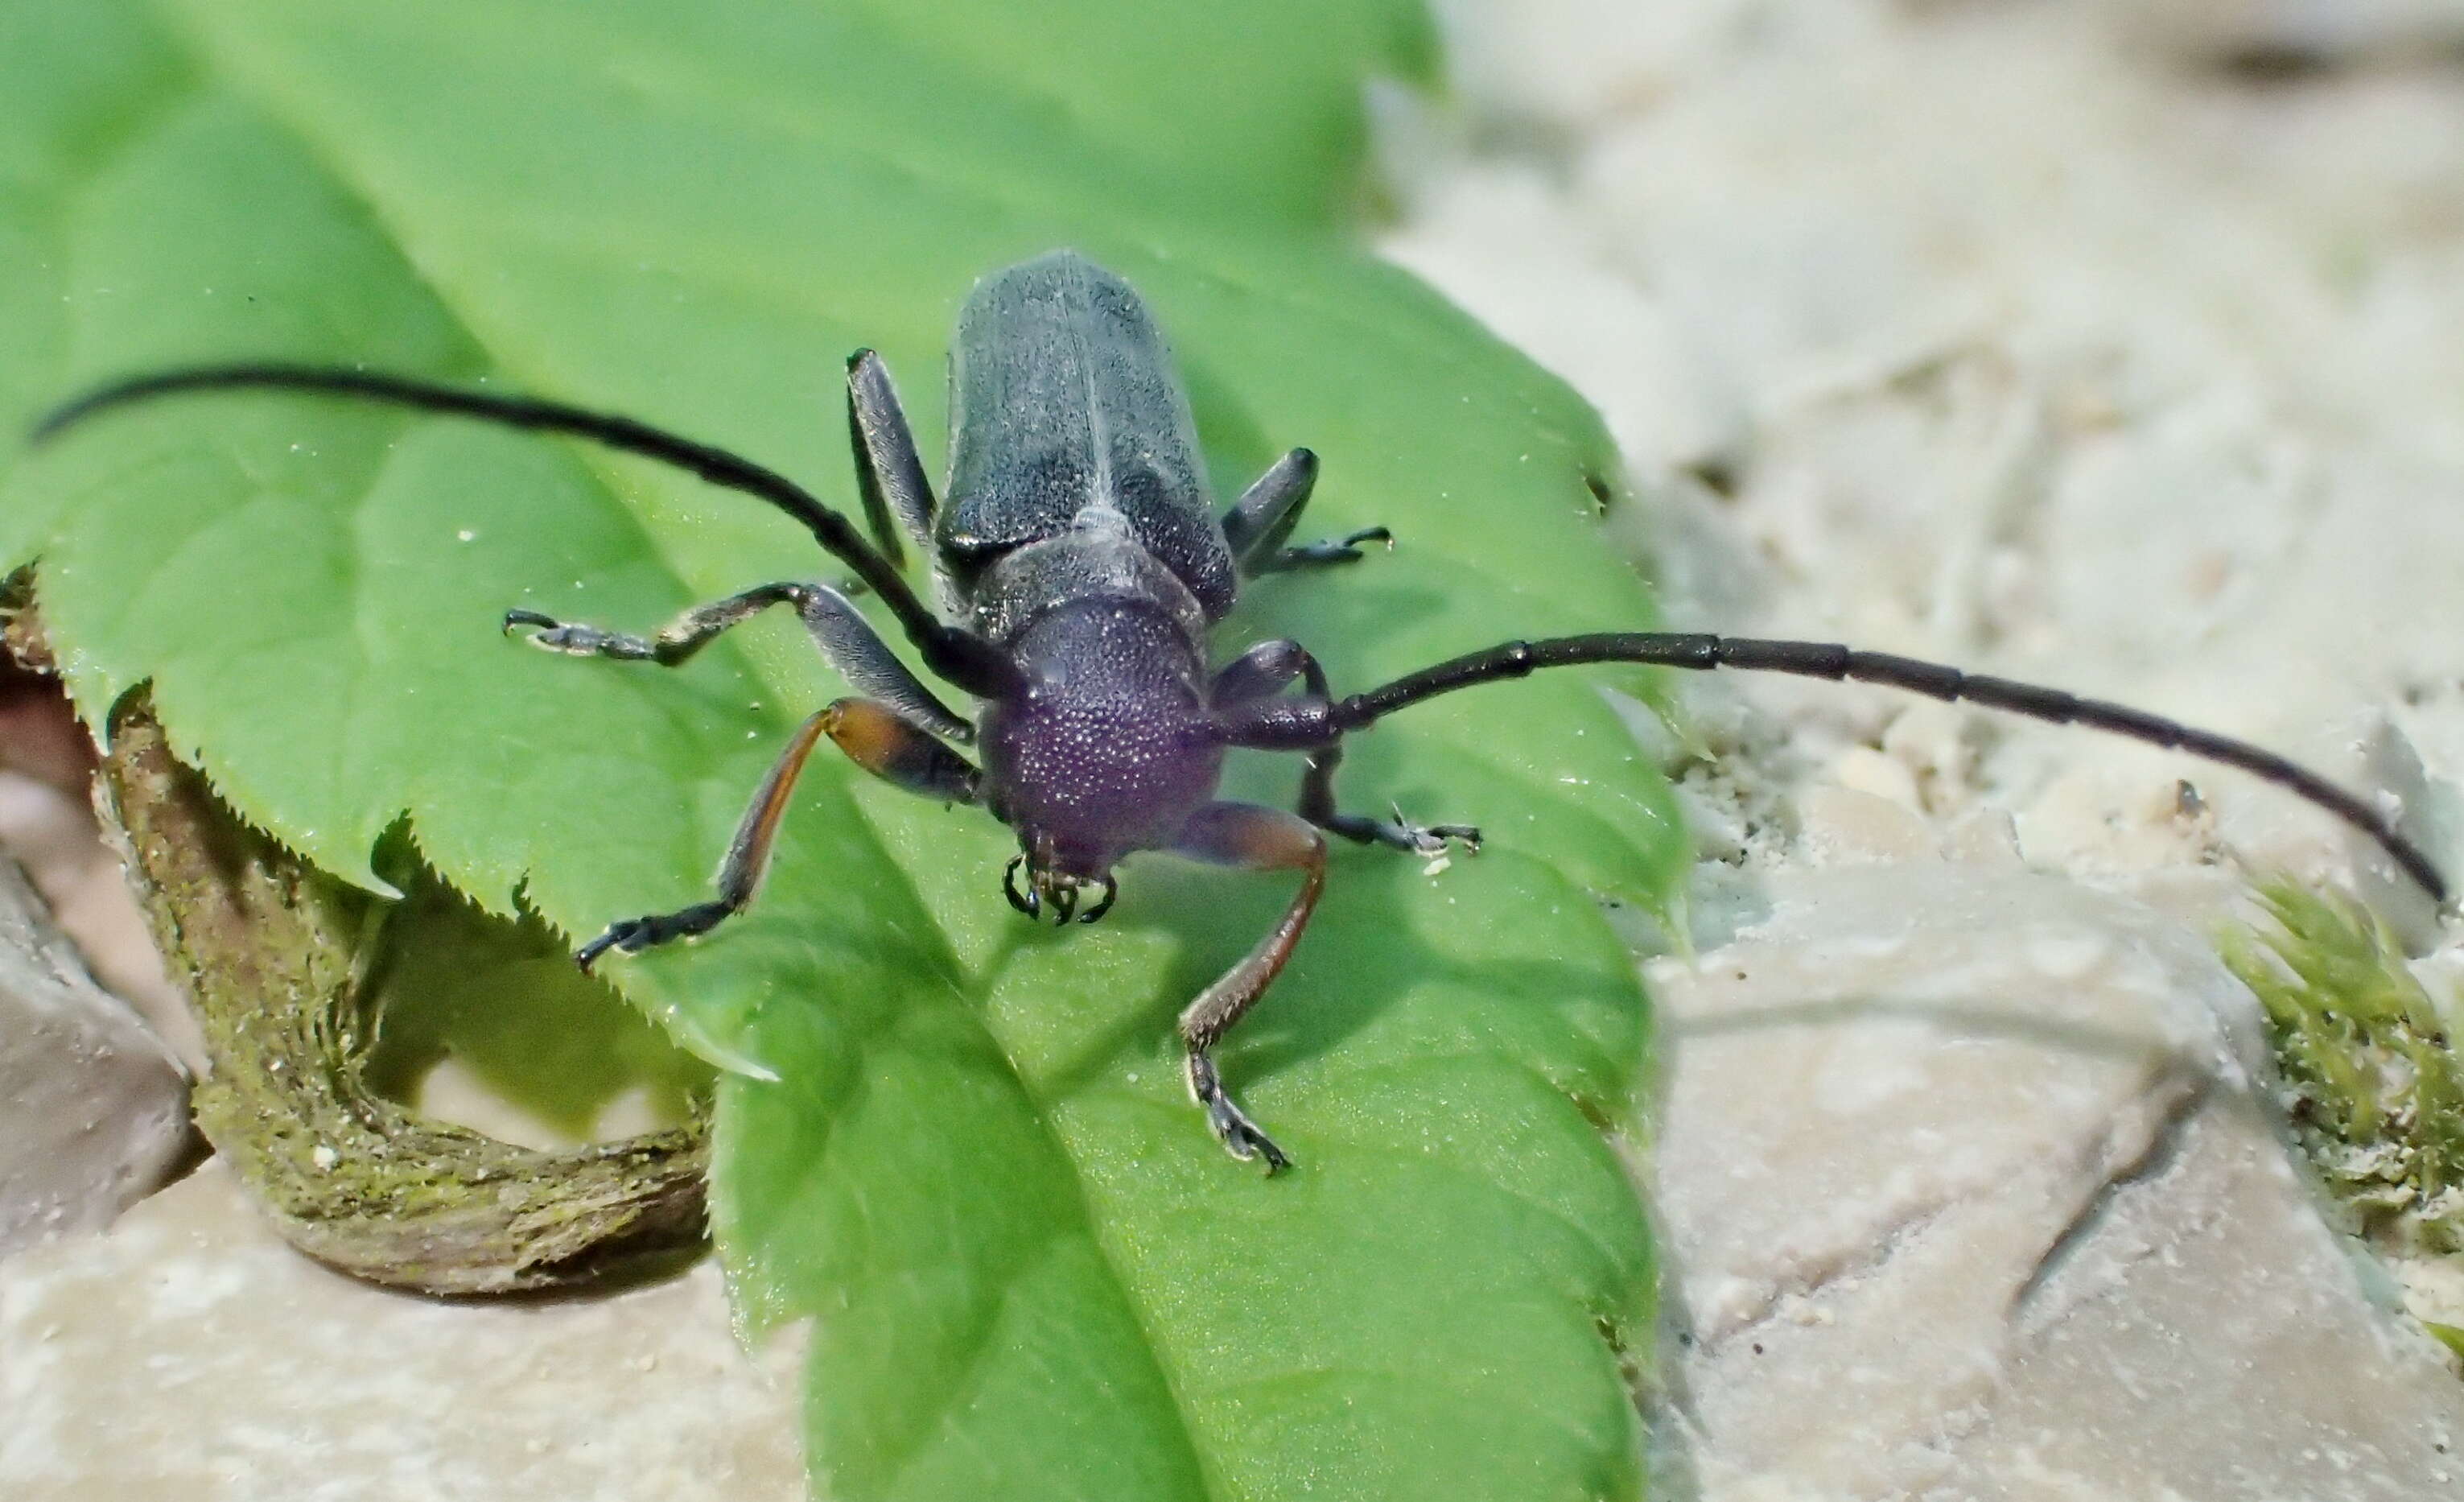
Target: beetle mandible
1080,564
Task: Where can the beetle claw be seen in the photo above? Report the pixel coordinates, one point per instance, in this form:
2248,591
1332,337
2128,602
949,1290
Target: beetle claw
1428,841
1231,1125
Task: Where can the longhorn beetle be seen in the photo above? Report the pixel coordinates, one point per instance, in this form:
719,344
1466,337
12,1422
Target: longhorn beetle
1080,566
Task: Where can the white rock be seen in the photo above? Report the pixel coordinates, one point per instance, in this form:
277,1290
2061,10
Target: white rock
1968,1193
2056,355
1845,825
94,1110
190,1354
59,840
1505,242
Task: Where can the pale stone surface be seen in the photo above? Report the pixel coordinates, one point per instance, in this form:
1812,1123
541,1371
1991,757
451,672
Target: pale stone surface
57,839
92,1110
1968,1194
189,1356
2013,341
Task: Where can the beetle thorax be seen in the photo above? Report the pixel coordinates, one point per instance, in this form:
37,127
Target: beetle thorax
1109,751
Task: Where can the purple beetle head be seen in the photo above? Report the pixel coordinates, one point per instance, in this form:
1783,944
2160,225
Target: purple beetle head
1109,751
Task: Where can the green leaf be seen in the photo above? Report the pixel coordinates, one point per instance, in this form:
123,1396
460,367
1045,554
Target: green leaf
1030,1270
504,1002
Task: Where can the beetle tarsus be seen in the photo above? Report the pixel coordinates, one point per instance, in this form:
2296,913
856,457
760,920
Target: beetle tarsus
633,935
1232,1127
1332,551
615,936
840,631
1428,841
575,640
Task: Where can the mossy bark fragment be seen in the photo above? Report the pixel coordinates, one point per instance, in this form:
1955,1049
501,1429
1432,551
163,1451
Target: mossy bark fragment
268,949
271,953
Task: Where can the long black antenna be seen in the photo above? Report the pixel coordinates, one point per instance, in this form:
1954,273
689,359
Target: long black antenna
1830,660
961,656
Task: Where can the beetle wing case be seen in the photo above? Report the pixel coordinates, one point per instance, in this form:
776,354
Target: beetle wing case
1063,396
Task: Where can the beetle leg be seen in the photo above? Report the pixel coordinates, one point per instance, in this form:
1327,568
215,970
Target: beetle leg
1266,512
1272,665
889,472
875,738
1261,520
676,641
871,669
1259,673
1264,669
837,627
740,873
1344,549
1428,841
890,475
1251,838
